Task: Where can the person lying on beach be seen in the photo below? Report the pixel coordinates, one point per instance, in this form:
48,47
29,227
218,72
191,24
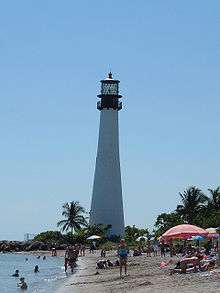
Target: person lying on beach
109,263
208,266
16,274
117,263
192,265
36,269
104,264
136,252
101,264
22,284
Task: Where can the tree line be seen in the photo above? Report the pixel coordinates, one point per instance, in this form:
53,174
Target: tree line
196,208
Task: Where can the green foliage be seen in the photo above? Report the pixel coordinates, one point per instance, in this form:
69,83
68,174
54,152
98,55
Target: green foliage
166,221
195,208
77,237
193,203
50,237
74,214
132,233
100,230
108,245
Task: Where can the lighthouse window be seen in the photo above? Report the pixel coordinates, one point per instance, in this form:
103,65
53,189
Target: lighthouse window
109,88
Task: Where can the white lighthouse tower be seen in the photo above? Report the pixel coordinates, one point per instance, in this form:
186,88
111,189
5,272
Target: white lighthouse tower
107,204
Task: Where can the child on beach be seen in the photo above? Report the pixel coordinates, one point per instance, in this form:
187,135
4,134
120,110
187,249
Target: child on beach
123,254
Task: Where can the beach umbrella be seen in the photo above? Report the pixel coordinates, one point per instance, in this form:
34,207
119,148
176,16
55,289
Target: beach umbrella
212,233
93,237
184,231
198,238
211,230
141,238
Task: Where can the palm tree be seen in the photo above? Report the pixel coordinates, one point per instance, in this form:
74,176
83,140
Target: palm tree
75,219
211,214
193,202
214,202
98,229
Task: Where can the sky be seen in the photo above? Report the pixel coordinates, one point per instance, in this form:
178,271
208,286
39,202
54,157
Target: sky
53,55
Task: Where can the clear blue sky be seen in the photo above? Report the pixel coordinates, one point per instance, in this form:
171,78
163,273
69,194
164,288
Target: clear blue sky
52,56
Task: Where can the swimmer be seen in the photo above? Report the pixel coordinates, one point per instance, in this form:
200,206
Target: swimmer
26,259
36,269
23,285
16,274
44,257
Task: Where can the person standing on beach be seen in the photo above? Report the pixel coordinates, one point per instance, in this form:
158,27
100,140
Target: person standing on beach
155,247
149,248
162,249
123,255
82,249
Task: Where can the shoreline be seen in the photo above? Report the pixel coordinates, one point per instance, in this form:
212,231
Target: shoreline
144,275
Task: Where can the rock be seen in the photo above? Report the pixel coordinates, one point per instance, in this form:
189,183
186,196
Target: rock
37,245
11,246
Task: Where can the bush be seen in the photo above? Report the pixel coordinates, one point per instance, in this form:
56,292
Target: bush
109,245
51,237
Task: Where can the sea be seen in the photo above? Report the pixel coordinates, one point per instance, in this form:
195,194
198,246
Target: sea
50,277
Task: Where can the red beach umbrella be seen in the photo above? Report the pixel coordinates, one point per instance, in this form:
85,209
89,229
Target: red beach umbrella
183,231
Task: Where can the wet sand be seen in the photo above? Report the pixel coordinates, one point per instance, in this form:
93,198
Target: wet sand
144,275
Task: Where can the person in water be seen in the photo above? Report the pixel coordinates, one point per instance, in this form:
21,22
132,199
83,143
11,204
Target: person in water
22,284
123,255
36,269
16,274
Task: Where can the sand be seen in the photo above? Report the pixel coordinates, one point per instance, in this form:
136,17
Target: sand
144,275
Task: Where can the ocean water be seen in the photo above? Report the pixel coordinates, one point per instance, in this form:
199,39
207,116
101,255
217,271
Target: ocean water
50,277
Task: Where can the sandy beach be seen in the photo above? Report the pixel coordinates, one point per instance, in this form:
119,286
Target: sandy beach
144,275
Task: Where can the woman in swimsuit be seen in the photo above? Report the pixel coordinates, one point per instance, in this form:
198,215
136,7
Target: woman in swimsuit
123,254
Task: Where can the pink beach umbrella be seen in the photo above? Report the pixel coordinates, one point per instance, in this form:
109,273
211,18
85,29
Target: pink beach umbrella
183,232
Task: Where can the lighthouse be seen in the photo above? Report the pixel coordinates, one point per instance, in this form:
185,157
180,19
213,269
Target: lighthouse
107,203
